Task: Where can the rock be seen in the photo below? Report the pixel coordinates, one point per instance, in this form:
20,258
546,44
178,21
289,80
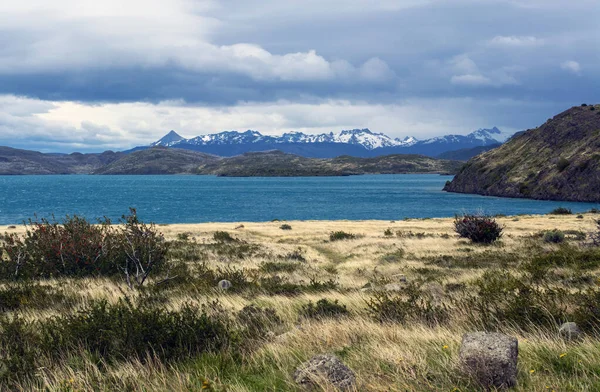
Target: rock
490,358
325,368
394,287
224,284
570,331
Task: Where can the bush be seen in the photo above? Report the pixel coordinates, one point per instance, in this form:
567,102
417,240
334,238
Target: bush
223,236
324,308
341,235
478,228
561,211
141,247
256,322
504,297
412,305
393,257
78,248
127,330
562,164
285,226
48,249
554,236
388,232
20,295
112,332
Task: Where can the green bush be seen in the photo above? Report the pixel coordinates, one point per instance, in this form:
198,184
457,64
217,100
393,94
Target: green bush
223,236
554,236
502,297
285,226
22,295
412,305
562,164
256,322
324,308
561,211
274,267
393,257
127,330
341,235
478,228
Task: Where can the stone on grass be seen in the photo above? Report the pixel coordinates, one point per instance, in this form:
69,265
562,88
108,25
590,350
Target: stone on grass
224,284
490,358
325,369
570,331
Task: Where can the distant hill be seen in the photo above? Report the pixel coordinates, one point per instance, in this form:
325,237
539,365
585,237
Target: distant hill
560,160
14,161
464,154
163,160
158,160
356,142
280,164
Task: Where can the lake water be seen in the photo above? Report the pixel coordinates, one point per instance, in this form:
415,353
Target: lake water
190,199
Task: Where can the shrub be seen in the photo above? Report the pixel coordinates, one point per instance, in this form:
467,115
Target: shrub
256,322
73,248
296,255
393,257
595,236
554,236
127,330
285,226
503,297
324,308
274,267
78,248
561,211
562,164
412,305
478,228
341,235
388,232
223,236
142,247
183,237
20,295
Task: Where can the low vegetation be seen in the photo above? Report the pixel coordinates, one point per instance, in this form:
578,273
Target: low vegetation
74,315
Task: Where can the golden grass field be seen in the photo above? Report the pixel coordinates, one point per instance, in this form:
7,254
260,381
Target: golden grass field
384,356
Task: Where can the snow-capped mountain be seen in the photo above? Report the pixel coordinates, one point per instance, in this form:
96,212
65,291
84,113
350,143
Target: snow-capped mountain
356,142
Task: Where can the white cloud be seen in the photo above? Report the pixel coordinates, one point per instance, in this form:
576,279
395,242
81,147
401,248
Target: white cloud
465,72
471,80
571,66
69,35
515,41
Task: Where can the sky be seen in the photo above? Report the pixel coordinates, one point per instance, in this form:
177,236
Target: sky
89,75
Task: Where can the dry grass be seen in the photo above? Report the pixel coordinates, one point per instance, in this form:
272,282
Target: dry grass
385,357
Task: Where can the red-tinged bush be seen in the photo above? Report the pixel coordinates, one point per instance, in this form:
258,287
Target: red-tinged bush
76,247
478,228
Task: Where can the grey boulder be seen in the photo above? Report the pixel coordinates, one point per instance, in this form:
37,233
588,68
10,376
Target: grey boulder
490,358
325,369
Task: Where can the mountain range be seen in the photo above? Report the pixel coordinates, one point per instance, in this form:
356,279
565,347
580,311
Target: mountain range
356,142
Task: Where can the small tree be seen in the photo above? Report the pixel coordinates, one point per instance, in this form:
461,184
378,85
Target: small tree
143,248
478,228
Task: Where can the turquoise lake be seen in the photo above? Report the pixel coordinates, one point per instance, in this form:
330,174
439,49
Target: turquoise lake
190,199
